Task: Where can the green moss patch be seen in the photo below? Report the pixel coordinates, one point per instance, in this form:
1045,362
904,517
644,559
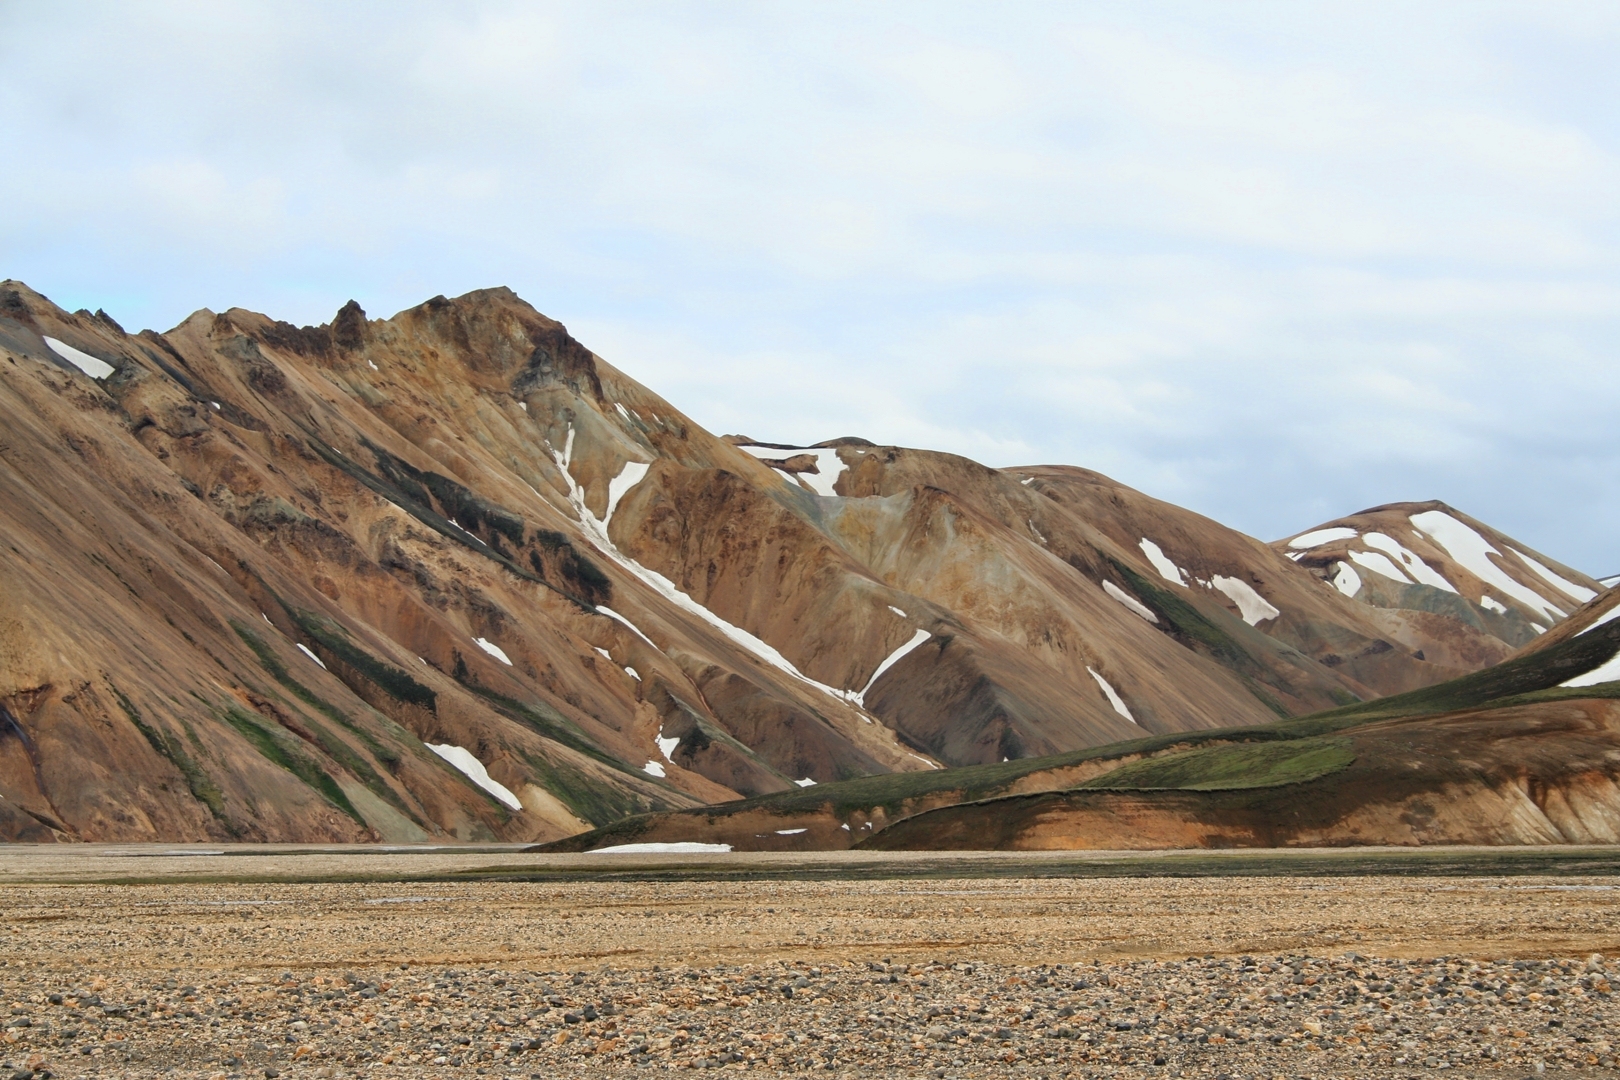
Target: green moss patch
334,639
289,757
1235,767
198,782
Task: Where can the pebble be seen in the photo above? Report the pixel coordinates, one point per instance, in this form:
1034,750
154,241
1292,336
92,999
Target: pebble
1292,1014
259,1009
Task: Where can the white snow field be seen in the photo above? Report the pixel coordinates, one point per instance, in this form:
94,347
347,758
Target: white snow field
474,770
1380,565
1113,696
1129,601
1420,571
96,369
1251,605
666,746
889,661
1320,537
493,649
1472,551
829,466
1557,581
684,847
1161,562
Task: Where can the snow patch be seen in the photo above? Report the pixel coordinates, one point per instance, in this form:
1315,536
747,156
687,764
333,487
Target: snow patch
1026,481
493,649
1318,537
524,405
1254,608
305,650
1608,671
474,770
654,768
889,661
610,613
596,530
1472,551
1378,564
1129,601
666,747
372,364
1113,696
790,832
1562,584
1538,628
630,671
1347,580
807,782
629,476
96,369
605,654
829,466
1161,562
683,847
1421,572
1491,603
897,611
1608,616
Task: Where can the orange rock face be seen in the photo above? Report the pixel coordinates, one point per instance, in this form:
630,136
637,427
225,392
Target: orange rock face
452,574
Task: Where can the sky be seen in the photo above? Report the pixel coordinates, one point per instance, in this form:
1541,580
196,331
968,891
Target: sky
1274,262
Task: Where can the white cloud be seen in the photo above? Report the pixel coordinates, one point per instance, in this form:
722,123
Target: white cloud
1274,261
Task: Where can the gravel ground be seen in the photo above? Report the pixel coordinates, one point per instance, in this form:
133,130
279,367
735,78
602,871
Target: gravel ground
1256,977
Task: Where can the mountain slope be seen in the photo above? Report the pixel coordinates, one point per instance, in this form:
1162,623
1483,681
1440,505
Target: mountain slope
1527,751
450,573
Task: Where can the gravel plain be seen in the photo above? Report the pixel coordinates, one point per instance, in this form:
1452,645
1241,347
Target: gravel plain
1038,977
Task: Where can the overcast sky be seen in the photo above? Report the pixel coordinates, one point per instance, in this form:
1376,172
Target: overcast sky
1273,262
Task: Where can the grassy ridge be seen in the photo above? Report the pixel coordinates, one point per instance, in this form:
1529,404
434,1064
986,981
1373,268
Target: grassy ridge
1232,767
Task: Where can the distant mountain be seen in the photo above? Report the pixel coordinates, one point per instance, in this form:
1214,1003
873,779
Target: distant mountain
1424,566
452,574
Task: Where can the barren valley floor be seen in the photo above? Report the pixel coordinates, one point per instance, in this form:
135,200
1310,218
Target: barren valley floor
255,963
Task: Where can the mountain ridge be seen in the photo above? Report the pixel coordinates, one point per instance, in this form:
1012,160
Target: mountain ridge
273,582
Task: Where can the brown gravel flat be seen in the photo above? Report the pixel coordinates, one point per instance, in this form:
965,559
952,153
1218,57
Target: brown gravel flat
932,977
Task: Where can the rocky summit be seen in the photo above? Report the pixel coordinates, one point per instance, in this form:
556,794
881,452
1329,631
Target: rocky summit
451,574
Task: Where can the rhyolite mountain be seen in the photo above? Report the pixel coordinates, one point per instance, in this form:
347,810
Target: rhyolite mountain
453,574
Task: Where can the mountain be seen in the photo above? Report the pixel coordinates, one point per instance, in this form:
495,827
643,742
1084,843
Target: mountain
1435,578
452,574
